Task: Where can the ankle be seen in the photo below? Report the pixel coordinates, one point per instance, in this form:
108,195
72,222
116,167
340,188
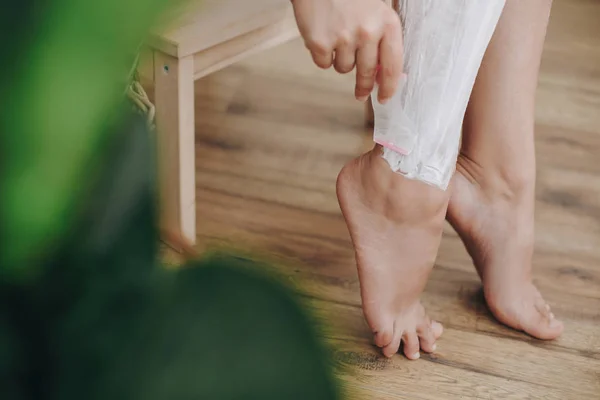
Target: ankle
413,200
505,181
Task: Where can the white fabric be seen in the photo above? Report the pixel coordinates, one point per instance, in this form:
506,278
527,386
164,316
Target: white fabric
444,43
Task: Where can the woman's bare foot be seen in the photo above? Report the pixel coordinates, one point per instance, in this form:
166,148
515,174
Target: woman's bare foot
496,223
396,226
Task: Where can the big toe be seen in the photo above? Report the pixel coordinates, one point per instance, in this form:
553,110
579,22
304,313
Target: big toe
533,316
384,336
540,322
392,348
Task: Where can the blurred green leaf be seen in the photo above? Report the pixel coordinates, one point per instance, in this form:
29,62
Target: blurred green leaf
86,309
106,320
209,331
69,62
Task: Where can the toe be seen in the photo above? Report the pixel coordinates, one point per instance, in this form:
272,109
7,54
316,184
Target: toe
542,307
542,324
426,337
530,314
437,329
392,348
543,328
384,337
411,345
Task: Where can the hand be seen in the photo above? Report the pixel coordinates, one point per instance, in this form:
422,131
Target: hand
347,33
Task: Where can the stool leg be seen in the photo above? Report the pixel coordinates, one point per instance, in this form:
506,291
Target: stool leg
174,101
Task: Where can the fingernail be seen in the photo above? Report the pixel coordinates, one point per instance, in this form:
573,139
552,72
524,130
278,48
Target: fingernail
362,98
415,356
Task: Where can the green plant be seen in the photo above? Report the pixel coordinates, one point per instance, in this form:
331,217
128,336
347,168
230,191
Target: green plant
86,309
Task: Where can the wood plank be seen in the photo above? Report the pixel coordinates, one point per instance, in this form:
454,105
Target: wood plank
206,23
272,133
235,49
445,375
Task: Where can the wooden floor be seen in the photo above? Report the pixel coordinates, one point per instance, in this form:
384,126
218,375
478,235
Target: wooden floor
272,134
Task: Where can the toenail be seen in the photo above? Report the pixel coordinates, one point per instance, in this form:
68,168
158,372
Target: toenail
416,355
548,307
434,347
551,316
554,323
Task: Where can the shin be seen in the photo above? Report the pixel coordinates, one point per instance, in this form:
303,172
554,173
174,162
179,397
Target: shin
419,128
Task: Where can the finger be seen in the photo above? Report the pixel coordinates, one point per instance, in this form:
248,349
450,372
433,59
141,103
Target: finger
345,58
321,52
390,60
366,70
411,345
322,60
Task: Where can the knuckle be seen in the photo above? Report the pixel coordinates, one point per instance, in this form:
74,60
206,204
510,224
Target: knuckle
387,72
367,73
391,21
345,38
366,34
361,92
365,84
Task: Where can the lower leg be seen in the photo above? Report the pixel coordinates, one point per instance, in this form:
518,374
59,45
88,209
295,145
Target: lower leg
444,43
492,204
396,219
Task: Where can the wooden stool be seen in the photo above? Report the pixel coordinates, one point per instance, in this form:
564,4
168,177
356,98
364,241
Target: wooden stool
209,36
